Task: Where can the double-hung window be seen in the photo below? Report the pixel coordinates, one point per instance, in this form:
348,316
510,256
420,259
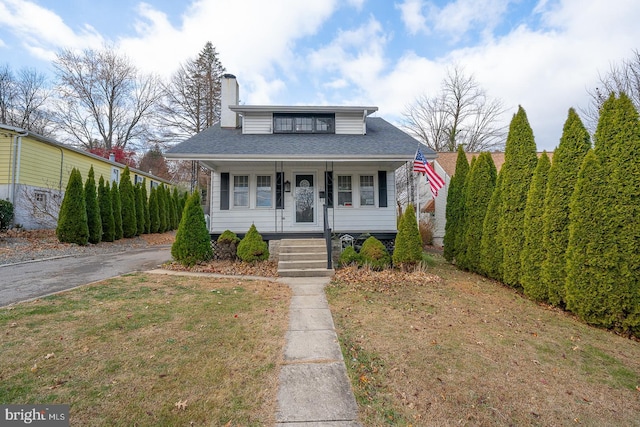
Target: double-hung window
366,190
345,191
263,191
241,191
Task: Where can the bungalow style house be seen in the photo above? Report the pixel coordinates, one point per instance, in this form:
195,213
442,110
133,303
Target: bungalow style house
296,171
34,171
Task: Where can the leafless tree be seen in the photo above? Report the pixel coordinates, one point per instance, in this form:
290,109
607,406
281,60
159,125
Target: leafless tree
105,100
623,77
23,100
461,113
191,101
43,204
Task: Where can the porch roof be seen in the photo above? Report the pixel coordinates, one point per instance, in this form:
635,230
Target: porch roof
382,142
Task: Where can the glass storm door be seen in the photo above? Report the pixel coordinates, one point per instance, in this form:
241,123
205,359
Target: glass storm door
305,198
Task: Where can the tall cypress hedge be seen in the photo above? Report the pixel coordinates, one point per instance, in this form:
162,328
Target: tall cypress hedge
128,200
154,214
193,242
617,145
145,205
106,211
72,219
591,265
116,204
137,192
533,252
162,209
481,181
567,158
491,247
94,221
455,206
519,163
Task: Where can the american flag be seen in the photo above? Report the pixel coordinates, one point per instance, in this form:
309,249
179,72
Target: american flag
421,165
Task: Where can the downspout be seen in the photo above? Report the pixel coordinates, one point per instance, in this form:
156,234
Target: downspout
61,165
17,144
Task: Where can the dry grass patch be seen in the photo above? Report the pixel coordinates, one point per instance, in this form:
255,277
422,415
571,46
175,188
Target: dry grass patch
132,350
458,349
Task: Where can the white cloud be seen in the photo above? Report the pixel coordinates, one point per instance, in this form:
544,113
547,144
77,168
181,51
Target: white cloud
253,38
457,18
42,32
412,17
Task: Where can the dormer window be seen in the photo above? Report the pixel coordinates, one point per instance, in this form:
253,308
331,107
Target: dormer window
303,123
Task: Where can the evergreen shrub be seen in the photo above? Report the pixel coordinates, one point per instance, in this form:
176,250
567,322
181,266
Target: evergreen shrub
407,251
106,211
374,254
116,205
193,242
128,205
94,220
348,257
227,245
72,220
252,248
6,214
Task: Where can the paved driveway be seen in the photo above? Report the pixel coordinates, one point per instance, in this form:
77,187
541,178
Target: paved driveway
30,280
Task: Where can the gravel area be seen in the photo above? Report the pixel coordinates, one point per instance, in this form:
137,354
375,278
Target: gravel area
22,246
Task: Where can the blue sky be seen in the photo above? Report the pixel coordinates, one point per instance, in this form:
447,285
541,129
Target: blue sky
543,54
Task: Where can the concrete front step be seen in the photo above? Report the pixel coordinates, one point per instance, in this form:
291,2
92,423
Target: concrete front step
289,265
306,272
303,258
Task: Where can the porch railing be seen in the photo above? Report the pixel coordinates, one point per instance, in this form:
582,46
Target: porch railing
327,237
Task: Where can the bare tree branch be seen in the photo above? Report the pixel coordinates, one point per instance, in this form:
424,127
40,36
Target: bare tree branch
460,114
105,101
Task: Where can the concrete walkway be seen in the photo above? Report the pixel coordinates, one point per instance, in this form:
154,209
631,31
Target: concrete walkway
314,389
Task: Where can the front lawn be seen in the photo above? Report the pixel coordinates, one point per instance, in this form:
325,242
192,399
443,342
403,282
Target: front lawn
452,348
149,350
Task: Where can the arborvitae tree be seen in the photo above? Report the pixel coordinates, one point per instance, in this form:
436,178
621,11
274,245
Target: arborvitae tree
591,264
106,211
251,248
533,252
145,206
193,242
94,221
455,206
162,209
618,148
128,200
183,202
116,204
176,201
481,181
567,158
173,211
154,214
491,246
519,163
407,252
137,191
72,220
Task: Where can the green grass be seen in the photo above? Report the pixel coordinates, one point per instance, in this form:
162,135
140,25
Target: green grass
124,351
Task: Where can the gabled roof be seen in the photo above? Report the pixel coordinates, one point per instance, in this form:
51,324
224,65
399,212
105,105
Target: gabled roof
383,141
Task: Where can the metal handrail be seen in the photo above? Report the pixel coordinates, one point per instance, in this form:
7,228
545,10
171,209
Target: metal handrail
327,236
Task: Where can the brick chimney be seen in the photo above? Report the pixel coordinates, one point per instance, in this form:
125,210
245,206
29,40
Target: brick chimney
230,95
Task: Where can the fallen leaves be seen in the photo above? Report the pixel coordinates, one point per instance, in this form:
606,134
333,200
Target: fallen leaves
231,268
386,281
181,405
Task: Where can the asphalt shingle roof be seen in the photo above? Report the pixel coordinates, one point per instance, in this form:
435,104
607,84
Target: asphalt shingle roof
383,140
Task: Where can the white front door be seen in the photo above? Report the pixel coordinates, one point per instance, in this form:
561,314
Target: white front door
305,197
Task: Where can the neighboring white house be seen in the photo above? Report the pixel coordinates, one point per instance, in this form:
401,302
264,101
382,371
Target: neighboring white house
278,167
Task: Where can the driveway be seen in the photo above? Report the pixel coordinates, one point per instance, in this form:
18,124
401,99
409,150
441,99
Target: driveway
25,281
